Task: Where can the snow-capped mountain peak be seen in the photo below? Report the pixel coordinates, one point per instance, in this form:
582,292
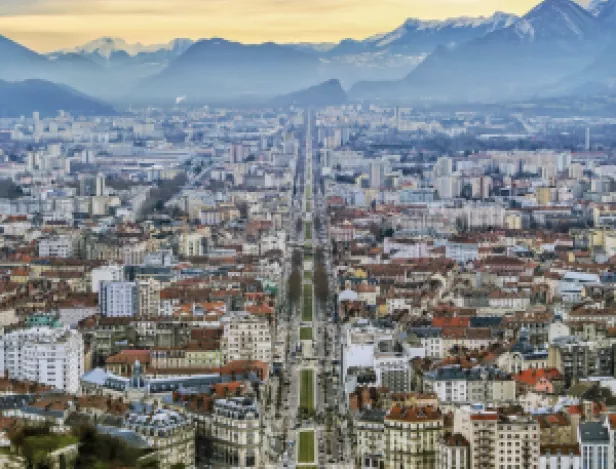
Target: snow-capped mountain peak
557,19
107,46
596,7
488,24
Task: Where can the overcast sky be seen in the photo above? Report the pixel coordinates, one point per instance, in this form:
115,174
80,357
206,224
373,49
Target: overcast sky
46,25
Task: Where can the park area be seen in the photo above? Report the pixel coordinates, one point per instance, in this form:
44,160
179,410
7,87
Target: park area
305,333
306,447
306,389
308,231
307,308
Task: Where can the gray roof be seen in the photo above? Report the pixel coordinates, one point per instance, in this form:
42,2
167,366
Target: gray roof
455,372
372,415
130,437
594,432
95,376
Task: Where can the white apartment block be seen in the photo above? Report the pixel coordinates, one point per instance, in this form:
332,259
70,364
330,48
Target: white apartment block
246,337
107,273
452,452
118,299
56,246
560,457
45,355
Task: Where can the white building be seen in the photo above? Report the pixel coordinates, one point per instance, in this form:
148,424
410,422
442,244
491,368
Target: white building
45,355
595,444
118,299
56,246
462,252
107,273
560,457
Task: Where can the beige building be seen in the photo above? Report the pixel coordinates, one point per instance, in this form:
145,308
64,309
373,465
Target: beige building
236,433
499,440
170,434
246,337
369,429
148,292
514,362
193,244
186,358
411,437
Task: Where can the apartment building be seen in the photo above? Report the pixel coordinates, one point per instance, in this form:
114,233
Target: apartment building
118,299
45,355
369,428
564,456
499,440
148,295
596,446
236,433
453,452
577,359
107,273
56,246
478,384
246,337
392,365
169,434
411,437
196,357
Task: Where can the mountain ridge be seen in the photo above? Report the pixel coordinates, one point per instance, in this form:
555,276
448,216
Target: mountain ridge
47,98
551,41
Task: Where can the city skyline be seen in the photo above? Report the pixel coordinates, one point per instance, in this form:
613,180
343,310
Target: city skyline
46,26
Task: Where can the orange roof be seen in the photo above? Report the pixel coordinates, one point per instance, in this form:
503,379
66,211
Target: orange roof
532,376
413,414
129,356
455,321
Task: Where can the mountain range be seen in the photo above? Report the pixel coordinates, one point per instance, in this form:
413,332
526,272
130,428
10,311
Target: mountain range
552,44
558,47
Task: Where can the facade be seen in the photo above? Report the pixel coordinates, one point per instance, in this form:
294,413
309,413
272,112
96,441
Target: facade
246,337
170,434
411,437
560,457
392,366
45,355
56,246
108,273
118,299
498,440
148,293
478,384
369,429
236,433
577,359
595,446
453,452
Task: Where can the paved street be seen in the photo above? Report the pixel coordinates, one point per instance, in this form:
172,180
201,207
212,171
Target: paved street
332,449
